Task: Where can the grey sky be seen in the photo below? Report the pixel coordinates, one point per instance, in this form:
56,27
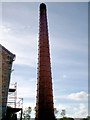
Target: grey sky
68,34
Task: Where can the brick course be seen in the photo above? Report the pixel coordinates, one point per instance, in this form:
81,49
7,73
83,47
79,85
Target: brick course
6,60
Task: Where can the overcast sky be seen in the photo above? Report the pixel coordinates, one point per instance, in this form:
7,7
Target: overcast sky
68,37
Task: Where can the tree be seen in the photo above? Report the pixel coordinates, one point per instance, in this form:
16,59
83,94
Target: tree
63,113
35,110
88,117
55,111
66,118
27,113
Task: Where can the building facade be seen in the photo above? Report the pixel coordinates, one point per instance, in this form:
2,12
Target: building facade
6,60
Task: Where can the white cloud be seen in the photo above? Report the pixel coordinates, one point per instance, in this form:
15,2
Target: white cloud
78,110
26,88
62,106
4,29
27,104
81,111
78,96
24,46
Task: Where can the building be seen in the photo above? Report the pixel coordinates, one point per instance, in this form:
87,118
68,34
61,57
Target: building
6,60
44,103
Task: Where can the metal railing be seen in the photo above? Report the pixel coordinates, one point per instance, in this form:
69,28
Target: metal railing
13,101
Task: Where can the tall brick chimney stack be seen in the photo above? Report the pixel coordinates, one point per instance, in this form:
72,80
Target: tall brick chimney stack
44,103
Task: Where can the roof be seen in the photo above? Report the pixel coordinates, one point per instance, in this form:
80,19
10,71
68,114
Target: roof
13,110
11,54
12,89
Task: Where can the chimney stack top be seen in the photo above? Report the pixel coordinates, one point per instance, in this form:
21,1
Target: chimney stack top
42,6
